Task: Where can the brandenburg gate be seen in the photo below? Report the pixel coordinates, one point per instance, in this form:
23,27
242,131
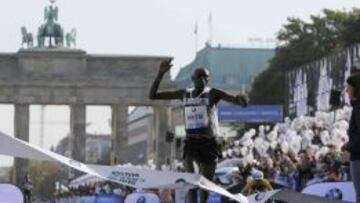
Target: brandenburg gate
51,74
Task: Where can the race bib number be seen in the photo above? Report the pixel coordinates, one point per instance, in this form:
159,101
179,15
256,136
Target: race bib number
196,117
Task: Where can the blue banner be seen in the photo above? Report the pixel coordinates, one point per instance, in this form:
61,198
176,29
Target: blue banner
251,114
108,199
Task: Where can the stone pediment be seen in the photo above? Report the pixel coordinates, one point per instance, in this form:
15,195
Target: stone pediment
65,76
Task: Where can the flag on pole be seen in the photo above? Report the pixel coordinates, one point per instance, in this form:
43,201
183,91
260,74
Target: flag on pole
196,29
196,36
210,18
211,29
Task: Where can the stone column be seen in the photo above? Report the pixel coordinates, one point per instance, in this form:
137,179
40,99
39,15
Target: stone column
173,129
161,124
119,141
78,131
21,120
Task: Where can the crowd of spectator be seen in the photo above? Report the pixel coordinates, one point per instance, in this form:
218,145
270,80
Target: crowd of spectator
296,153
293,154
99,188
110,189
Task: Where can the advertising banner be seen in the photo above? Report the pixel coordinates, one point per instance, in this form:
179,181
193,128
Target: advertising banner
334,190
251,114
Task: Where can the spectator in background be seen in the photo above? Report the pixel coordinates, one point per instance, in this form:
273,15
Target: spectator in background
107,188
118,191
27,187
97,189
165,196
353,146
257,184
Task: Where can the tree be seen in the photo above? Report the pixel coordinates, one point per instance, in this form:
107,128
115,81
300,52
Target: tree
44,174
301,43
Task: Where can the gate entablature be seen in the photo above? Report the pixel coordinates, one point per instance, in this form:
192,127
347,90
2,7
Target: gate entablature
75,78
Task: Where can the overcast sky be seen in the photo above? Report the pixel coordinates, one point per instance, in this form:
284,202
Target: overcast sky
145,27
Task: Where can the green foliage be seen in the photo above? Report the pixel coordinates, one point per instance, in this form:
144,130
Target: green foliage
302,42
44,174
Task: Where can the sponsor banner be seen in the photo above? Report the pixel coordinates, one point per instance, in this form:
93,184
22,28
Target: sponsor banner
10,193
108,199
225,131
125,175
142,197
333,190
214,198
261,197
92,199
251,114
84,199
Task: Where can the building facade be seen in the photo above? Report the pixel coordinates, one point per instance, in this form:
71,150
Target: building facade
231,69
142,140
97,148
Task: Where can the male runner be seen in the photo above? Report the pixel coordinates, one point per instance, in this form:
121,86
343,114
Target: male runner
201,121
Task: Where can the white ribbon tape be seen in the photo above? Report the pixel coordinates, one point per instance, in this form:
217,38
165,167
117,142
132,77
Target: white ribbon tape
130,176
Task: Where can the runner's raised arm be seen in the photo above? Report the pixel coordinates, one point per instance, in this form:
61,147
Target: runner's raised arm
166,95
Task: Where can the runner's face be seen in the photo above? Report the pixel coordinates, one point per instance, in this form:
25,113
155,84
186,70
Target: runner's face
200,79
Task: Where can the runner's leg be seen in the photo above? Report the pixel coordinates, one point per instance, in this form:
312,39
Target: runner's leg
208,171
189,167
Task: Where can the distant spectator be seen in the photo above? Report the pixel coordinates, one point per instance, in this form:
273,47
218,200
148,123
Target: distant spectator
353,90
27,187
257,184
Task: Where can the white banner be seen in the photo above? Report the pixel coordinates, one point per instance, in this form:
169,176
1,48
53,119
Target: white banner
130,176
334,190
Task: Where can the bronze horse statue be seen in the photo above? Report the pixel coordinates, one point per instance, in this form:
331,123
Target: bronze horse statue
70,38
27,37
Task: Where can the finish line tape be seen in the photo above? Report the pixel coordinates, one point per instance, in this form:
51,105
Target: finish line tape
125,175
